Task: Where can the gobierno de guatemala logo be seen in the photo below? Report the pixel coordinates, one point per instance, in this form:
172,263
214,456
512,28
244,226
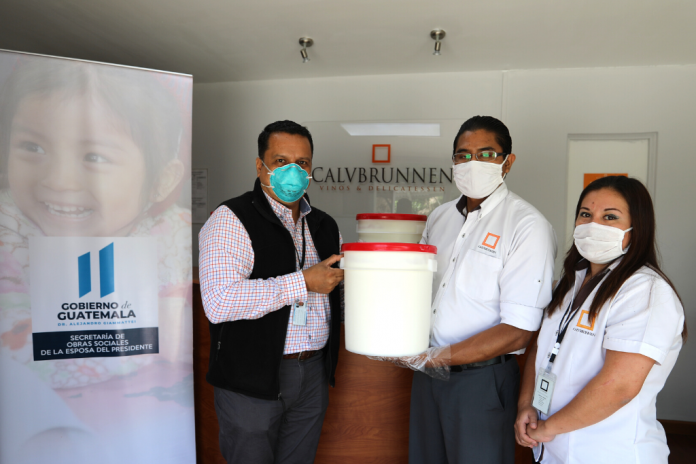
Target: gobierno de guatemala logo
88,307
96,310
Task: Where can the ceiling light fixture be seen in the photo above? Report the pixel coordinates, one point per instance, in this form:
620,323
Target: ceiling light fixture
437,35
392,129
305,42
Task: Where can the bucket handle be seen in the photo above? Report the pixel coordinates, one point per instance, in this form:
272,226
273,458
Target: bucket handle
340,264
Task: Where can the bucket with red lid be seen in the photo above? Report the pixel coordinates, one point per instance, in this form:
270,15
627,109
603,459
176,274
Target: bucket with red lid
394,228
388,289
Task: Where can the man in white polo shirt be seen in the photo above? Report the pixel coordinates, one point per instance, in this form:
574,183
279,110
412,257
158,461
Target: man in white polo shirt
495,270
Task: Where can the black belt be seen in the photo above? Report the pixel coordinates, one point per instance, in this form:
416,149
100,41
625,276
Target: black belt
478,365
302,355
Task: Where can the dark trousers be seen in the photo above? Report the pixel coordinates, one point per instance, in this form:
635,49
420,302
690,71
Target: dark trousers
255,431
468,419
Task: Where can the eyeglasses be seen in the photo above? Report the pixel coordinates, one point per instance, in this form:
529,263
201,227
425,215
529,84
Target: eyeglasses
459,158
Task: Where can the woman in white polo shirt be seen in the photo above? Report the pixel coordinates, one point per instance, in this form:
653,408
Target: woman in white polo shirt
608,341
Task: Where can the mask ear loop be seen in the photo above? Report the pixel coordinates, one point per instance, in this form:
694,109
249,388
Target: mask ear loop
625,250
267,168
269,172
501,167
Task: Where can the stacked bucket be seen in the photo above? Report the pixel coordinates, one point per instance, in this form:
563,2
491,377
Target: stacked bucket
388,286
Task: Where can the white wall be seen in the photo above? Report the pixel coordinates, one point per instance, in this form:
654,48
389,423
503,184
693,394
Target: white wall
540,107
229,116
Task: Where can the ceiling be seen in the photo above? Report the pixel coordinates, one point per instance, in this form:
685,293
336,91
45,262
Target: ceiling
240,40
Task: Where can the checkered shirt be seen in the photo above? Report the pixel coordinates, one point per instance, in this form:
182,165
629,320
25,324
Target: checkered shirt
226,261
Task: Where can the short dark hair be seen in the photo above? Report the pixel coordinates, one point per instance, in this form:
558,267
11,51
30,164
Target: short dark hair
489,124
286,127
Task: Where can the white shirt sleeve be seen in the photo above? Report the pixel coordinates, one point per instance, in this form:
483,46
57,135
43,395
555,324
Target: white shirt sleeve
645,317
527,276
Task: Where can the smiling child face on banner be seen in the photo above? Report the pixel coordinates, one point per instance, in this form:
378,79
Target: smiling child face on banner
88,154
68,173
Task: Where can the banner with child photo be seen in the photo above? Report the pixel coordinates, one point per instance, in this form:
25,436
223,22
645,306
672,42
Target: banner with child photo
95,263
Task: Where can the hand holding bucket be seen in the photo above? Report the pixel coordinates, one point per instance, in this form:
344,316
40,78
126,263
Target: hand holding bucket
434,361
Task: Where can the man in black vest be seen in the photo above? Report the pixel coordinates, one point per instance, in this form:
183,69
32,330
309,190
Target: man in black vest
274,305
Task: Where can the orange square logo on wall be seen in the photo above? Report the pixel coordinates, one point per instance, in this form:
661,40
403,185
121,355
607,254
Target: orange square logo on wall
589,178
491,241
381,153
584,321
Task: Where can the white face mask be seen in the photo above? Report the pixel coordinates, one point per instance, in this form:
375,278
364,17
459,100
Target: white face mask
599,244
478,179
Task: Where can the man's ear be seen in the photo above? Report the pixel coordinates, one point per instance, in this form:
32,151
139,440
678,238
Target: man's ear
259,166
508,163
167,181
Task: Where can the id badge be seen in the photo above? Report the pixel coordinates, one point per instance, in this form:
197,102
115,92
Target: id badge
543,392
299,315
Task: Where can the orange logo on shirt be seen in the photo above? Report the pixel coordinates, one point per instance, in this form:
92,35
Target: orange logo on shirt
585,317
491,241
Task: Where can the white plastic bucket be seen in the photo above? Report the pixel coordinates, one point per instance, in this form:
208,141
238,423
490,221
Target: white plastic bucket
388,288
401,228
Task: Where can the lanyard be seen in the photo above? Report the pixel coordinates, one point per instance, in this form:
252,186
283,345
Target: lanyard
303,247
572,311
560,333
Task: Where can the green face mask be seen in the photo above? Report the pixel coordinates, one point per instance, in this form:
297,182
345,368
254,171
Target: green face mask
288,182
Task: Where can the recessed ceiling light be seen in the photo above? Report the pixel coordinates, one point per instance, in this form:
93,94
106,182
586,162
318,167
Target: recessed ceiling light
386,129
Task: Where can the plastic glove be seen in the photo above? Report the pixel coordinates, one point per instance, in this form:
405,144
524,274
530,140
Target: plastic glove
434,361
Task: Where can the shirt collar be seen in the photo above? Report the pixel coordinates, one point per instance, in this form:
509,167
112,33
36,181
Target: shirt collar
488,204
461,205
283,212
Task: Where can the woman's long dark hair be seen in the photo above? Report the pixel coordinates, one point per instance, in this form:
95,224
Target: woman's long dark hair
642,252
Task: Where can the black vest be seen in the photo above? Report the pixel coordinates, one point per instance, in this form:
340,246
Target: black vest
245,355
